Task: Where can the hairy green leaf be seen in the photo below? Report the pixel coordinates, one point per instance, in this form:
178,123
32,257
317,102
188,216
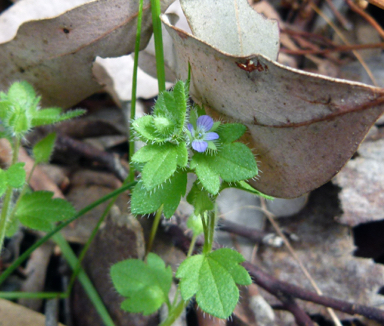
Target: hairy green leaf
3,182
234,162
43,149
145,129
230,132
16,175
161,167
169,193
5,108
213,278
242,185
22,93
210,179
147,153
200,199
38,210
145,285
195,224
181,100
53,115
182,155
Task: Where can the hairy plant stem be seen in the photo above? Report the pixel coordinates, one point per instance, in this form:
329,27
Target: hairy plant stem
174,313
131,176
8,196
192,245
154,228
209,229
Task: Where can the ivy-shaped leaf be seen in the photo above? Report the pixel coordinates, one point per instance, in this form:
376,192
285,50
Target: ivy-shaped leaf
242,185
168,194
38,210
200,199
207,176
182,155
147,153
16,175
195,224
53,115
212,278
145,285
233,162
21,93
161,167
43,149
181,100
229,132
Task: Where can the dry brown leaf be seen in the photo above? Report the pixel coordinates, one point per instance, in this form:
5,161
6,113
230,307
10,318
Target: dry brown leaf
56,55
303,127
13,314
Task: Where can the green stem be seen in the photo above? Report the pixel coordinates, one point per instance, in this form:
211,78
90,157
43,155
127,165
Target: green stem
154,228
131,176
192,245
8,197
84,279
174,313
38,243
206,233
158,36
32,295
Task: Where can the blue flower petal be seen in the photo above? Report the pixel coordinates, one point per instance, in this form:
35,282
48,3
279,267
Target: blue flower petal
204,122
211,136
199,145
191,129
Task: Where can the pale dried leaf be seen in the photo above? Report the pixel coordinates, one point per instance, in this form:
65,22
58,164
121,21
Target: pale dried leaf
13,314
362,185
302,127
56,55
214,20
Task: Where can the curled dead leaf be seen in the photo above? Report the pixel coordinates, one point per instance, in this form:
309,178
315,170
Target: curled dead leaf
56,55
302,127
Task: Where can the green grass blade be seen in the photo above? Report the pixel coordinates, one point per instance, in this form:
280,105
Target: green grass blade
156,22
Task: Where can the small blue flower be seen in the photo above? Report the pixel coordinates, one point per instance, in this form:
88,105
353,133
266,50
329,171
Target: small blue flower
201,136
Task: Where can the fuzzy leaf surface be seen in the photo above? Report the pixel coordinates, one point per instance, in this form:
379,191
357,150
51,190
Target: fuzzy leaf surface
168,194
199,198
182,155
53,115
38,210
161,167
242,185
16,175
145,285
147,153
213,277
43,149
229,132
207,176
3,182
